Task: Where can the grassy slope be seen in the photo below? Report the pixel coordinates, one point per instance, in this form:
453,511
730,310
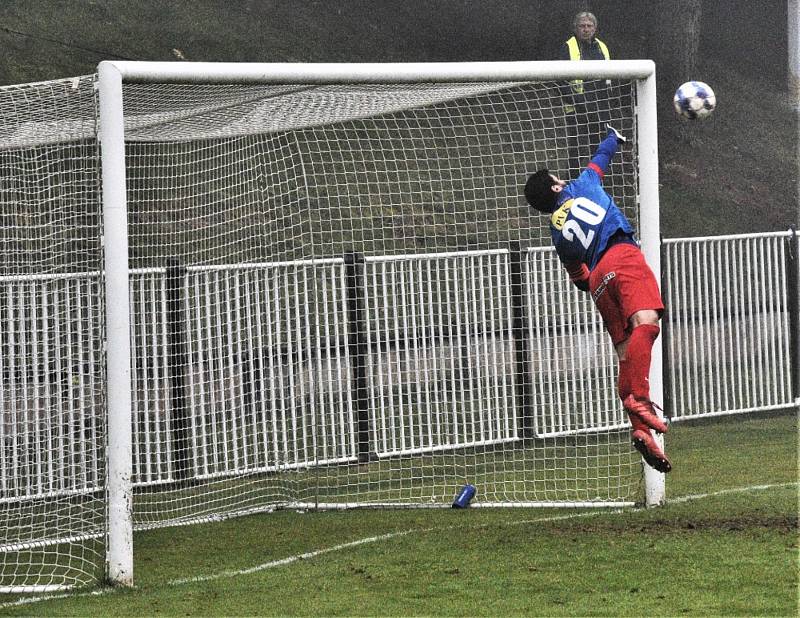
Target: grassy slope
735,173
726,554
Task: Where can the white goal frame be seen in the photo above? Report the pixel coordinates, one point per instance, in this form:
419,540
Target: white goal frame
112,75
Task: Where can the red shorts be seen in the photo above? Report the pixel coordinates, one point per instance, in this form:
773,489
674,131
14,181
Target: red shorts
622,284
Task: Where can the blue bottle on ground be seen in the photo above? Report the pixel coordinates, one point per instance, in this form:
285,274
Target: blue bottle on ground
464,497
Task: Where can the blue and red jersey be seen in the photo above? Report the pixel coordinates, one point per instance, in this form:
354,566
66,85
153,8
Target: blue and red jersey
587,217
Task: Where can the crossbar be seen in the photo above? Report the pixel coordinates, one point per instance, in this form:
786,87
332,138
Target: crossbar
383,73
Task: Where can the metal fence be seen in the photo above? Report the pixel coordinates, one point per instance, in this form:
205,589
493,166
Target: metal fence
572,359
51,394
439,352
287,365
731,324
274,366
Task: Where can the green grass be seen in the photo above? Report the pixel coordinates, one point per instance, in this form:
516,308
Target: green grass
715,549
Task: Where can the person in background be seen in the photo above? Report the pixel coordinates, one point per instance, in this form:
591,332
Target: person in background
586,102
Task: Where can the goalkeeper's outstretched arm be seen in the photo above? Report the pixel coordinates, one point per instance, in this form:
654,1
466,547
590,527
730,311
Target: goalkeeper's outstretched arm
606,151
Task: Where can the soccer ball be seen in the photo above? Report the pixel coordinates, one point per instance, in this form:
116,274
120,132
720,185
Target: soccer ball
694,100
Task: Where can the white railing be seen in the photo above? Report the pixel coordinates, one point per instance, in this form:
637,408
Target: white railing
440,356
51,394
273,375
265,385
270,373
573,360
728,345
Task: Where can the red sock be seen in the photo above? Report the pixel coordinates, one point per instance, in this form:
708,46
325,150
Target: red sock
624,380
634,371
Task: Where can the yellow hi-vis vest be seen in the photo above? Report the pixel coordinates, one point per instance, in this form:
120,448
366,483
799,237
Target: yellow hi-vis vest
575,54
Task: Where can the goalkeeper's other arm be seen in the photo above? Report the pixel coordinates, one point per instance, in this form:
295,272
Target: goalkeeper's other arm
579,275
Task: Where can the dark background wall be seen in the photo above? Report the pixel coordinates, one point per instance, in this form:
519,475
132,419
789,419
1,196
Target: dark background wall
46,39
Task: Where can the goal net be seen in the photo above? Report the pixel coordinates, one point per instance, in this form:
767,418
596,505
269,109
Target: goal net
336,297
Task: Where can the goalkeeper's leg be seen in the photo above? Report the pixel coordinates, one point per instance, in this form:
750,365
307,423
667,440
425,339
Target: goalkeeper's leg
643,440
626,293
634,370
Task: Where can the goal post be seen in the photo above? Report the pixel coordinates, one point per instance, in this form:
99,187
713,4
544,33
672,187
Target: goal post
113,74
119,488
650,237
318,287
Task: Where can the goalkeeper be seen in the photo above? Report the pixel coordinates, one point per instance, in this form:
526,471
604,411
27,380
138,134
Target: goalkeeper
596,245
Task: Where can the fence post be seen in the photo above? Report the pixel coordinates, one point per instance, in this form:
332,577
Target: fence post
177,368
520,338
793,294
357,346
666,331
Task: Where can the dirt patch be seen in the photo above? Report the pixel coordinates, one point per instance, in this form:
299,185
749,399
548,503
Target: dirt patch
751,522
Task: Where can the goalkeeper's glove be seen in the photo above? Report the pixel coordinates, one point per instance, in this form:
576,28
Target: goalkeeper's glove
620,137
579,275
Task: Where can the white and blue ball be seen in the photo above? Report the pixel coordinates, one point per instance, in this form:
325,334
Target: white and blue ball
694,100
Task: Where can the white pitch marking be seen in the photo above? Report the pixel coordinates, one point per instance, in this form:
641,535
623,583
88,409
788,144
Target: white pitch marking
386,537
393,535
297,558
732,490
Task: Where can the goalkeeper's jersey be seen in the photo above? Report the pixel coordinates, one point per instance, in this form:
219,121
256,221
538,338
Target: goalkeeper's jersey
587,216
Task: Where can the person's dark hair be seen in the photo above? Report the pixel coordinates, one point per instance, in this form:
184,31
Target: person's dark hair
539,191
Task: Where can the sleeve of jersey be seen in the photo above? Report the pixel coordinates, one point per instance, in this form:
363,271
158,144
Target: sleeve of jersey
603,155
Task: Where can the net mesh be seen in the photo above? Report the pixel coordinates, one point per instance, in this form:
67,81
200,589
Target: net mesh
359,279
338,298
51,340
